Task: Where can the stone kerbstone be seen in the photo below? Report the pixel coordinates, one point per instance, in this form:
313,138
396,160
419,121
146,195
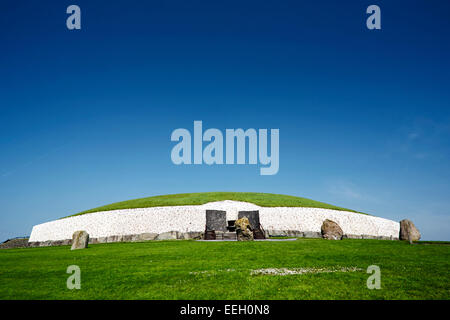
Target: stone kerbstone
294,233
312,234
102,239
80,240
111,239
368,237
135,238
183,236
277,233
171,235
191,235
352,236
127,238
147,236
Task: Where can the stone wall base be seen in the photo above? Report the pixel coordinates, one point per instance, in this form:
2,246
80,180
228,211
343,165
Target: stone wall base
176,235
172,235
365,236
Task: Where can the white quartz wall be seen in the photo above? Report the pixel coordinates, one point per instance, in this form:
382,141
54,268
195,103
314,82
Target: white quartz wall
192,218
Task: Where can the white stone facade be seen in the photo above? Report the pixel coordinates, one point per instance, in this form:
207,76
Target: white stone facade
193,218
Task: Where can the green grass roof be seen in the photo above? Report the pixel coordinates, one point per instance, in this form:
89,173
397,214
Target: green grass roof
260,199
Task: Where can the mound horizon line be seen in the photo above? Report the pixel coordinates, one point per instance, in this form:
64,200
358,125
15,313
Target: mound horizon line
261,199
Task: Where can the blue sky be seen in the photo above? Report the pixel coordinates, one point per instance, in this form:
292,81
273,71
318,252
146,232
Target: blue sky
86,115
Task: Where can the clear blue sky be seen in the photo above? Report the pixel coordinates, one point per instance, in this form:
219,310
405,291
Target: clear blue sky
86,116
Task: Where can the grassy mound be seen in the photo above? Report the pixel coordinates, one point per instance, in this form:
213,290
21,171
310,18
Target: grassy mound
185,269
183,199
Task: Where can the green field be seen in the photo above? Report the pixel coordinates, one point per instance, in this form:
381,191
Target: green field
260,199
186,269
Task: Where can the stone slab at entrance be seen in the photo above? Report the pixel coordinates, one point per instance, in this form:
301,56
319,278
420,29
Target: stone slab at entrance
216,220
252,216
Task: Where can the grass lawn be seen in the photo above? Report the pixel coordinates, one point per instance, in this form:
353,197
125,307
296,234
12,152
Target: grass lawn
260,199
221,270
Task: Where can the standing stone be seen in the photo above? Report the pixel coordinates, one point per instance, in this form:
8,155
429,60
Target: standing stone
408,231
80,240
331,230
243,229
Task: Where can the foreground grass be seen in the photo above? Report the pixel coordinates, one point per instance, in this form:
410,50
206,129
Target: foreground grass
175,270
260,199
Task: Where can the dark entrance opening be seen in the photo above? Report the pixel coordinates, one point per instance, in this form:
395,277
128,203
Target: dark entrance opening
231,227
